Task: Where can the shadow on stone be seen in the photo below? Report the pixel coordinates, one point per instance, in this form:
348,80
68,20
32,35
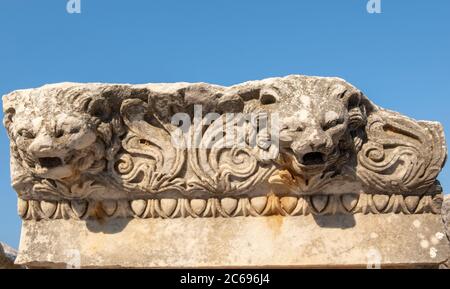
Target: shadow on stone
110,226
342,221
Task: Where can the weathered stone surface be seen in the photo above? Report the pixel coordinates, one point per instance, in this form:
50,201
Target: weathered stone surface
277,172
446,214
446,219
295,135
7,257
386,240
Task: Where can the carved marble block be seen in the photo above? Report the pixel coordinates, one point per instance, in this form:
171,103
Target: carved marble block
300,162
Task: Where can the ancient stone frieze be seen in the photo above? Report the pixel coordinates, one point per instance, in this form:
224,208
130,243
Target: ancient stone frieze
74,146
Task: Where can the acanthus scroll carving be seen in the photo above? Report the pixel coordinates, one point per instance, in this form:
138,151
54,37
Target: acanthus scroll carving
147,160
401,155
222,168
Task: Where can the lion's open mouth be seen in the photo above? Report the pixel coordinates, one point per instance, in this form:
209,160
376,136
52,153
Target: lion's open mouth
50,162
312,159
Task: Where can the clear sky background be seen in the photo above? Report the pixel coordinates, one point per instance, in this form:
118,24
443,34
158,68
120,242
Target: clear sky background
399,58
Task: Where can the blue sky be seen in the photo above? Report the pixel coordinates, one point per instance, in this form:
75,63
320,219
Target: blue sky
399,58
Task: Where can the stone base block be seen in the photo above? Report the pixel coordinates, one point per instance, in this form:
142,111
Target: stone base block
383,240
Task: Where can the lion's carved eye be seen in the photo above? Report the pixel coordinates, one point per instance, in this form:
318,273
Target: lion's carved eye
332,123
25,133
74,130
332,120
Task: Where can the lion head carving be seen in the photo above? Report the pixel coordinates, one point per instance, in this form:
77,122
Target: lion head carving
318,120
59,136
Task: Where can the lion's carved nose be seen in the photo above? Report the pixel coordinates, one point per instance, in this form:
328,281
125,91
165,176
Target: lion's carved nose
41,146
312,147
318,143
